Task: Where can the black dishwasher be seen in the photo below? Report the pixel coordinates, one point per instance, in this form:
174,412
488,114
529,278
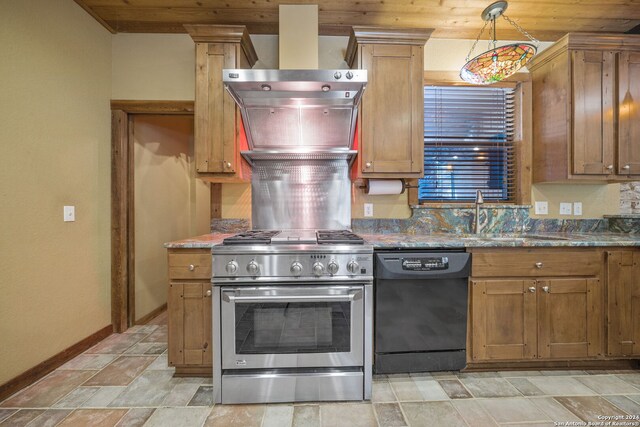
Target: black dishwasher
420,310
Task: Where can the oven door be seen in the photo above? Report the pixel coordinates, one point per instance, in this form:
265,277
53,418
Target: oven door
292,326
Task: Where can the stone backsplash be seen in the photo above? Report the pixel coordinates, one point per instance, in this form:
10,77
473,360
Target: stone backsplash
229,225
493,219
630,198
460,220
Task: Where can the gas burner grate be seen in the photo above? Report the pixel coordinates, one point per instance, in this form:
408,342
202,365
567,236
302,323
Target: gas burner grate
254,237
338,237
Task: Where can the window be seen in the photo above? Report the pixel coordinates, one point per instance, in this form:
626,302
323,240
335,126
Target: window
468,144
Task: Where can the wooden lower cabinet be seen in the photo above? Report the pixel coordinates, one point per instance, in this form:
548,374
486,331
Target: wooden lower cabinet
503,319
623,303
525,319
189,311
535,318
569,318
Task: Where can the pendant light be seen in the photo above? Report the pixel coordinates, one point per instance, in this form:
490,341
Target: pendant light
497,63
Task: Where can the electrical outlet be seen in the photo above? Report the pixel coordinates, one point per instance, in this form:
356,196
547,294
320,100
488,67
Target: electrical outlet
577,208
69,213
565,208
368,209
542,208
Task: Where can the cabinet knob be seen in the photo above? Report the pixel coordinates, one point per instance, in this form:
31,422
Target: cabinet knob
368,164
208,293
532,289
626,167
546,289
192,267
538,265
610,167
228,164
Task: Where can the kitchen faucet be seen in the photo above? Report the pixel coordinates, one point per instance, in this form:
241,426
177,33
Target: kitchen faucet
479,201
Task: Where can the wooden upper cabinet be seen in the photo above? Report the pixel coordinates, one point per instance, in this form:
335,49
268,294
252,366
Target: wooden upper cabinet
586,123
629,114
391,115
593,103
623,303
218,124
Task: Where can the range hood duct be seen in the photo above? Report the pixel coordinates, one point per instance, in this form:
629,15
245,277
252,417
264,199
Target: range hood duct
297,111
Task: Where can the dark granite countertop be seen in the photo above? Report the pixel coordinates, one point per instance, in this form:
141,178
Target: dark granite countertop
453,240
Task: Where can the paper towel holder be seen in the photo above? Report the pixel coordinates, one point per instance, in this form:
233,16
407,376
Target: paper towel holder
405,186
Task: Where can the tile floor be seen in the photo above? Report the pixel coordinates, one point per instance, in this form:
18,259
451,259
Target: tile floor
124,381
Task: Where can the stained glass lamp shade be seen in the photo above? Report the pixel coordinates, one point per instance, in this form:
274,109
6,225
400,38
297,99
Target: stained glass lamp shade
501,62
497,64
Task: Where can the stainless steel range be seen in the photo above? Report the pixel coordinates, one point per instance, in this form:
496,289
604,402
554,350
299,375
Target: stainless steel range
293,309
293,317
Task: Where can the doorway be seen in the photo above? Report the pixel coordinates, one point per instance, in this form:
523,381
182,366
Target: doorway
155,198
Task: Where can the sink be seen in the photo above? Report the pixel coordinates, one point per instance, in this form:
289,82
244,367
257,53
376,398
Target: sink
539,237
511,237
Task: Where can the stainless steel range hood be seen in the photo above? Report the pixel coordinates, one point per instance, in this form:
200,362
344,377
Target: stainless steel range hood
297,112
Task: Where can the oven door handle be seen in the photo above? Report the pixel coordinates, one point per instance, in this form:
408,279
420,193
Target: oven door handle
254,299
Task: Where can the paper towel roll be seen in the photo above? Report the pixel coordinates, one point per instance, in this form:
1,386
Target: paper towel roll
384,186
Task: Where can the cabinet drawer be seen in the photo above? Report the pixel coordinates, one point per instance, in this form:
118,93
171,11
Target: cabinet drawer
190,264
535,263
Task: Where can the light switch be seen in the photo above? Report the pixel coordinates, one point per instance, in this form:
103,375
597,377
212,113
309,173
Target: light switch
565,208
368,209
577,208
542,208
69,213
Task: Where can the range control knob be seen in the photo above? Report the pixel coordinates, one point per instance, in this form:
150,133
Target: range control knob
337,75
353,267
253,268
296,268
231,267
318,268
333,267
349,75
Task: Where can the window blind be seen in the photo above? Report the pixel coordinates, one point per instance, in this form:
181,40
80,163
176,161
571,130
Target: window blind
468,144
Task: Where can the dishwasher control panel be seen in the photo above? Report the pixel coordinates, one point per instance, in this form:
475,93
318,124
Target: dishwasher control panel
425,264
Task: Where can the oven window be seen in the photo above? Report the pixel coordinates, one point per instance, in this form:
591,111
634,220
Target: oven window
293,328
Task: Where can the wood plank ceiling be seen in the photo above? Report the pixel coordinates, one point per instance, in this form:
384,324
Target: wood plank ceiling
546,20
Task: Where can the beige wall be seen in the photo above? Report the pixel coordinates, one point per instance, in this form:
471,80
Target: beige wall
166,201
153,66
55,137
440,55
597,199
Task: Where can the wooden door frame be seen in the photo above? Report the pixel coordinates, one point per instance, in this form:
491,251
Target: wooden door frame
122,205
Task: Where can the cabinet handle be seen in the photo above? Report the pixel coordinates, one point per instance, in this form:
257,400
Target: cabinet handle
192,267
532,289
538,265
546,289
368,164
610,167
208,293
626,167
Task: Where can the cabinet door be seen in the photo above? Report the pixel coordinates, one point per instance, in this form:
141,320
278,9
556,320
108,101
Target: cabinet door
623,307
392,110
629,113
569,318
189,323
593,144
216,114
504,319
